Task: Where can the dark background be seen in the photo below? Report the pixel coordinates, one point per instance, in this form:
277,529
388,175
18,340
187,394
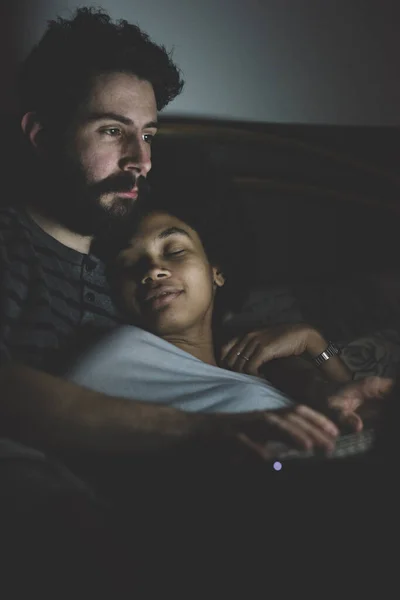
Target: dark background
293,61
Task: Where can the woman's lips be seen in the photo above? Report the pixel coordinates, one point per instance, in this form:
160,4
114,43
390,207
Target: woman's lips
162,299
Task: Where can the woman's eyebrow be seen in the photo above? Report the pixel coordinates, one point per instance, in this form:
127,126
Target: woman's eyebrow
160,236
171,231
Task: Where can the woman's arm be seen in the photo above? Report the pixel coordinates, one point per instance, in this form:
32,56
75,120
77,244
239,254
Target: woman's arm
333,369
283,354
250,353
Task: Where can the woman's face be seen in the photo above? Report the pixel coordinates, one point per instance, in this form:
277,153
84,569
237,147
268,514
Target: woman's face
165,280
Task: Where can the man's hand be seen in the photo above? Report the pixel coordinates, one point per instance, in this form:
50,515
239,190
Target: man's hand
305,428
298,426
248,353
362,394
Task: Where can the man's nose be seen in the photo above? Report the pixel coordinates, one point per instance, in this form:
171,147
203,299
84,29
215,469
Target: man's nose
136,157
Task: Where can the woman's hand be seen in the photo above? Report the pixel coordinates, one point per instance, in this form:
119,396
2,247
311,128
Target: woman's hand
248,353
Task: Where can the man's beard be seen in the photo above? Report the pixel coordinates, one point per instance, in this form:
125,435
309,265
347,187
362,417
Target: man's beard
69,200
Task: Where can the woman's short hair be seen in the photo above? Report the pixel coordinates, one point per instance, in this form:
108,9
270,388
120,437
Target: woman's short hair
207,202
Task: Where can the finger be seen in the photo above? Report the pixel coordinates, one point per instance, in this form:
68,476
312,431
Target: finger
376,387
318,436
317,419
249,359
226,348
288,431
348,402
368,388
231,356
259,355
351,421
236,345
354,394
231,360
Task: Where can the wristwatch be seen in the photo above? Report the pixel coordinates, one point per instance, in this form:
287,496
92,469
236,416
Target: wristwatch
331,350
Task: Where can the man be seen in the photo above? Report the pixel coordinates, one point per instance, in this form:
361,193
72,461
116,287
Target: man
90,92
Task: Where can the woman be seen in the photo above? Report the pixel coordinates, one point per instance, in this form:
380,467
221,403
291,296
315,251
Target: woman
174,281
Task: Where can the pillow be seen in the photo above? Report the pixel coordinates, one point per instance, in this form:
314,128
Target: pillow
374,354
267,305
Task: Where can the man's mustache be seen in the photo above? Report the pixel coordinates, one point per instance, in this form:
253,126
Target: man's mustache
118,183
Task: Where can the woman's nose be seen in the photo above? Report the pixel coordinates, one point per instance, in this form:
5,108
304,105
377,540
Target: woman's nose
154,274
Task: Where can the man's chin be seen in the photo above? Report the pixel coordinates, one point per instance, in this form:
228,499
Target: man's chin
117,204
89,215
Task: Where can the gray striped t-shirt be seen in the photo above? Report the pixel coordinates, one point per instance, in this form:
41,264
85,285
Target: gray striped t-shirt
52,299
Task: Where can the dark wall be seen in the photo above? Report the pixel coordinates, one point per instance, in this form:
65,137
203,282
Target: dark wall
10,37
286,61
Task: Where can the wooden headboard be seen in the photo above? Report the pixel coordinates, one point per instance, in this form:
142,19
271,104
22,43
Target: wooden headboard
322,199
358,164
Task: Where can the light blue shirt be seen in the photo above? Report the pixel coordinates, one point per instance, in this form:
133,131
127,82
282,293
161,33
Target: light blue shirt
133,363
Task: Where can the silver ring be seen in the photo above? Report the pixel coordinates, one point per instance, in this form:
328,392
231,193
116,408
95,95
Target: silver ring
238,353
245,357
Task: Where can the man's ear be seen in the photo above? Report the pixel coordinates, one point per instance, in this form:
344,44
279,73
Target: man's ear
34,131
218,276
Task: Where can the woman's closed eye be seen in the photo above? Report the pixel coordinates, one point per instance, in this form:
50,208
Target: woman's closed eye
176,253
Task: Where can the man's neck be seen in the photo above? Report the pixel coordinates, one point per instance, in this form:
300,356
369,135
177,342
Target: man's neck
68,238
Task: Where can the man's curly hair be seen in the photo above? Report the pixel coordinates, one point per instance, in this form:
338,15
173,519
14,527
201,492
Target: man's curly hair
56,75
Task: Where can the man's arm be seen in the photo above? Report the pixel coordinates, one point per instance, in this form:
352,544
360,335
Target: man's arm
59,416
64,418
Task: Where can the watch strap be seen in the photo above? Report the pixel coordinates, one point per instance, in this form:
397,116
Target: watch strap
329,352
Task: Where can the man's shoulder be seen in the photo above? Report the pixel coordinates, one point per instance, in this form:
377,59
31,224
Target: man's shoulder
15,235
12,222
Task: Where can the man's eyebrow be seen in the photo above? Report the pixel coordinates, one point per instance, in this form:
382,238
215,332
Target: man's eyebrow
171,231
101,116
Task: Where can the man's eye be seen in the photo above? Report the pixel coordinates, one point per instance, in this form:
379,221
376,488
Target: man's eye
112,131
148,137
